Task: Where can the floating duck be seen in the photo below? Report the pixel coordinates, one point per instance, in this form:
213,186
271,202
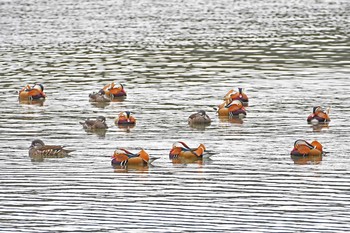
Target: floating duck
200,118
122,157
240,95
232,109
319,116
181,150
112,91
36,92
125,118
98,123
303,148
38,148
98,97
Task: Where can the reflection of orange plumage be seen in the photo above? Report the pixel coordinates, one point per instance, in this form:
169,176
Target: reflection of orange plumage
181,150
112,91
122,157
32,93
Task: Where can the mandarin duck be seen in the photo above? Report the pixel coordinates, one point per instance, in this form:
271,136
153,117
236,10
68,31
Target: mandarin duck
303,148
122,157
181,150
199,118
240,95
125,118
319,116
112,91
38,148
36,92
98,123
232,109
98,97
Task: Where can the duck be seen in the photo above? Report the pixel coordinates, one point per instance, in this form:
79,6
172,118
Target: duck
232,109
240,95
28,93
125,118
38,148
318,115
98,97
98,123
181,150
303,148
122,157
200,118
112,91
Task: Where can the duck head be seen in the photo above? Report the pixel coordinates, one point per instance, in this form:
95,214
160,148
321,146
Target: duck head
37,143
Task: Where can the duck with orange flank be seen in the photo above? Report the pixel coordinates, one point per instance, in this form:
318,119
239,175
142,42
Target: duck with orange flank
28,93
303,148
181,150
123,158
318,115
125,118
240,95
113,91
232,109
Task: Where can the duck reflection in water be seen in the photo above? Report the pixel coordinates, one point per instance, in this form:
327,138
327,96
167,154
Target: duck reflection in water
234,120
306,160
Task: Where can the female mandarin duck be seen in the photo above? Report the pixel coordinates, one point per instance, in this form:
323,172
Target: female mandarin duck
232,109
319,116
98,123
125,118
122,157
303,148
36,92
240,95
181,150
98,97
200,118
112,91
38,148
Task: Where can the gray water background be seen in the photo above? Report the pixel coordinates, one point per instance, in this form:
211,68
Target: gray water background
174,58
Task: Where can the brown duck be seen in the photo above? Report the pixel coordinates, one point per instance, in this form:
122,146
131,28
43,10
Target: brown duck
99,123
38,148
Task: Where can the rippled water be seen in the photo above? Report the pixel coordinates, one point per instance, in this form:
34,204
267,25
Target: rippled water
174,58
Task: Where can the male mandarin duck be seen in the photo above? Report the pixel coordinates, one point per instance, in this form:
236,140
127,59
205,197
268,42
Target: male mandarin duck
112,91
98,97
303,148
319,116
240,95
98,123
125,118
232,109
181,150
38,148
199,118
122,157
36,92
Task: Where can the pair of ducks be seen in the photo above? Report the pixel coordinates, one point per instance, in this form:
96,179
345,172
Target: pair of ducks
106,94
233,107
124,118
121,157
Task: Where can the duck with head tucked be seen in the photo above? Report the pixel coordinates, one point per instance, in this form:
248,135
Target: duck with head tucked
112,91
318,115
98,123
303,148
98,97
240,95
199,118
122,157
38,148
181,150
125,118
232,109
28,93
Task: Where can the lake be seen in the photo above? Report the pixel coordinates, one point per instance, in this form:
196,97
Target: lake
175,58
